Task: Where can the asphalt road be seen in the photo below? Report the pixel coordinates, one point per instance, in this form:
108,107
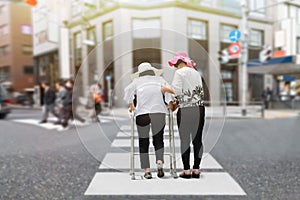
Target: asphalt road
263,156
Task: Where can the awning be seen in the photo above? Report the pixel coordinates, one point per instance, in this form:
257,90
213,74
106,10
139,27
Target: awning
275,66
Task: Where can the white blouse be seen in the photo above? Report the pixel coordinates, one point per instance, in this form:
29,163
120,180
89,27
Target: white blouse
187,84
149,96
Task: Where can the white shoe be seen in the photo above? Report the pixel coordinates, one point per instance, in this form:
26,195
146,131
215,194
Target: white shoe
79,123
62,128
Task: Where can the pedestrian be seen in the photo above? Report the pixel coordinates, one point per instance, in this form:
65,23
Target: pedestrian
74,101
62,94
96,92
187,84
49,102
150,110
66,107
266,95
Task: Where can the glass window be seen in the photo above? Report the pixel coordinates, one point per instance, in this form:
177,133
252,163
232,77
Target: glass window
27,49
5,71
76,8
225,31
226,74
292,12
256,38
139,26
106,4
108,30
230,5
197,29
77,48
257,4
78,39
91,33
28,70
3,9
208,3
298,45
91,36
4,50
229,91
41,37
298,15
4,30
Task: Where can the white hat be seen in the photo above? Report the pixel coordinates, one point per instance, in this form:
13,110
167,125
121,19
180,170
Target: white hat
145,66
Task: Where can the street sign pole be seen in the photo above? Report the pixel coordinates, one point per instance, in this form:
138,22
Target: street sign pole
244,59
108,79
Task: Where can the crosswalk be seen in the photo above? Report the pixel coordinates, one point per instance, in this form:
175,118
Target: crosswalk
113,176
51,126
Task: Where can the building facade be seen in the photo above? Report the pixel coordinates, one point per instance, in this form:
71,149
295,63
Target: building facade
130,32
16,63
50,43
282,72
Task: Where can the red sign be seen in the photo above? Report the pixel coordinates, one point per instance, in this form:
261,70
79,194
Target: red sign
234,48
279,53
31,2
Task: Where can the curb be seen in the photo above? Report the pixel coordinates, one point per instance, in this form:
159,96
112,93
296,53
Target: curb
15,107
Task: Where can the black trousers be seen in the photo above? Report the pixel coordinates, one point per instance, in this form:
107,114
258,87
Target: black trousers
158,122
66,115
98,108
190,121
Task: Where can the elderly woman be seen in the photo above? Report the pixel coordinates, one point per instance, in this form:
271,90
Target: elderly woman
148,90
187,84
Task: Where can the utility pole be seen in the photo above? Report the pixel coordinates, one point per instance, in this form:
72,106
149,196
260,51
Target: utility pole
244,59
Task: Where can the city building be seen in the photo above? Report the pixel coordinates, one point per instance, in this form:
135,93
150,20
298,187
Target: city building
16,63
281,73
130,32
50,43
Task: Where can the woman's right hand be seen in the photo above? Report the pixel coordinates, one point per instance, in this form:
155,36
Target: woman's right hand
131,107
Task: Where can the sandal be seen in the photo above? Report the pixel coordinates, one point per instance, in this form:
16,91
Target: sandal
196,174
184,175
148,175
160,170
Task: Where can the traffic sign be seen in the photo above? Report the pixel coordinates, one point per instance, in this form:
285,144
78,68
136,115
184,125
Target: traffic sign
234,48
108,77
234,35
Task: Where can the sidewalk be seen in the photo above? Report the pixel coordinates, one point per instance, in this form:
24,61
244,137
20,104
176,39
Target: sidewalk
20,107
210,112
231,112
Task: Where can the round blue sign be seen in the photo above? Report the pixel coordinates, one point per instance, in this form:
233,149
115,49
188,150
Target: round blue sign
234,35
108,77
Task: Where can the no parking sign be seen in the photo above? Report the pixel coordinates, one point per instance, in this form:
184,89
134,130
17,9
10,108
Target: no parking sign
234,48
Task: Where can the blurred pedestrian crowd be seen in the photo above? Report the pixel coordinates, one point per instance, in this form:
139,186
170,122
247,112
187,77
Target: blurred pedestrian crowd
61,103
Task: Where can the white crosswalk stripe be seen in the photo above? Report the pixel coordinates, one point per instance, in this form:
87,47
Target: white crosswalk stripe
213,181
51,126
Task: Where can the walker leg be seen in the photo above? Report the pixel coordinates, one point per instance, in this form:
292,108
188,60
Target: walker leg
132,150
172,146
170,142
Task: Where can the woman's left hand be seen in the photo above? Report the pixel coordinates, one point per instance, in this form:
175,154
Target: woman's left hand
165,89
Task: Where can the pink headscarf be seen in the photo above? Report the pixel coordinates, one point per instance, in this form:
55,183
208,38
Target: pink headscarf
184,57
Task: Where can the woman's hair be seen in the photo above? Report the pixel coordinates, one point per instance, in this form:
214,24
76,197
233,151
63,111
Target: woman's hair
178,62
147,73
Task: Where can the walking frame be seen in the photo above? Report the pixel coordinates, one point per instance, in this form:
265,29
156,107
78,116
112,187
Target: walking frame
171,154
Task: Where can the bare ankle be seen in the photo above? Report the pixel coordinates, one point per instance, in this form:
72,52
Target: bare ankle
147,170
